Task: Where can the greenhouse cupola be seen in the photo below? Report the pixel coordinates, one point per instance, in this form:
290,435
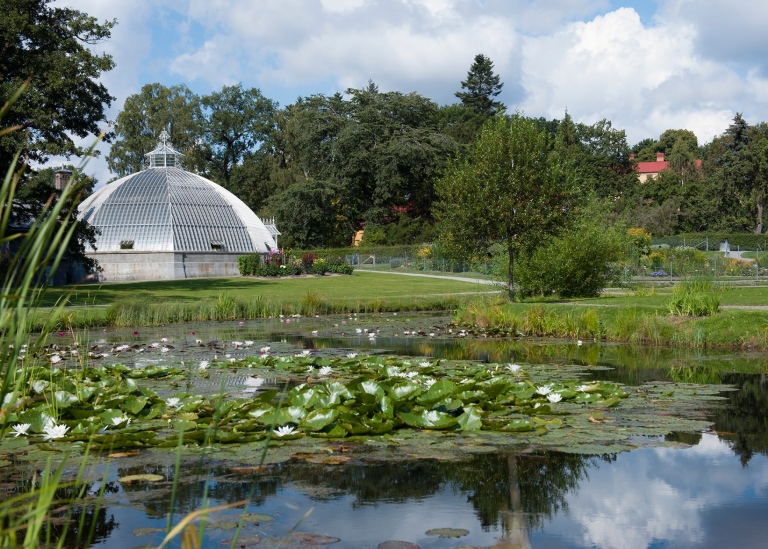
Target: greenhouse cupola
165,223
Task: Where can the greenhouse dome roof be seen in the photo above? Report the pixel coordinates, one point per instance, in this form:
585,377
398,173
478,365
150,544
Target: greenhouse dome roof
168,209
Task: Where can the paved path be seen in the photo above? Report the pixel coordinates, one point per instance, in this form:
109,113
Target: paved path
443,277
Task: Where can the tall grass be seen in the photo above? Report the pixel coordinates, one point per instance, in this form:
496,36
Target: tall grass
630,324
25,520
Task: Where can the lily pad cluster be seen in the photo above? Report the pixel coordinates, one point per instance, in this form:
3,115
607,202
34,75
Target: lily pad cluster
331,398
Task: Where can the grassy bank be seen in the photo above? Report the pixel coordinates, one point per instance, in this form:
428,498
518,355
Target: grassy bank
200,300
632,323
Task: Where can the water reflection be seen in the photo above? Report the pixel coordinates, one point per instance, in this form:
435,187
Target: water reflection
701,496
713,494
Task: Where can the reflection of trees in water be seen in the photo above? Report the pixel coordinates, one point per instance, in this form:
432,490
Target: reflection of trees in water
190,495
496,485
513,493
744,420
75,517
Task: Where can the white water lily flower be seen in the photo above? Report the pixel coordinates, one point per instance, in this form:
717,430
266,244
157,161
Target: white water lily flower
248,343
163,340
154,345
326,371
513,368
264,350
310,369
53,431
429,382
55,359
351,355
544,390
554,397
411,375
172,402
199,341
118,420
285,430
583,388
203,365
358,330
425,364
237,344
164,350
21,429
304,353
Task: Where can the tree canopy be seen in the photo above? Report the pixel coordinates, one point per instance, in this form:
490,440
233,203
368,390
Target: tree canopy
481,87
53,48
511,189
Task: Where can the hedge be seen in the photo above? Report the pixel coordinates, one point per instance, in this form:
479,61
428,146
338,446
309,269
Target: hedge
745,241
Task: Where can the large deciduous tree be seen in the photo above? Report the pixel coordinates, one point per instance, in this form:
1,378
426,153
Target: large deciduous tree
53,47
144,116
235,122
481,87
512,189
381,152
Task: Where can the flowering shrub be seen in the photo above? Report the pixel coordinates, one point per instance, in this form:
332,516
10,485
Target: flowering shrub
307,262
275,264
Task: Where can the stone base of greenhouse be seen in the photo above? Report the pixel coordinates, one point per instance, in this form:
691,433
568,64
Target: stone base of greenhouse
130,266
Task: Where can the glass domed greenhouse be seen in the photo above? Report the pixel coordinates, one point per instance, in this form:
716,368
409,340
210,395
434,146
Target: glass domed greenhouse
165,223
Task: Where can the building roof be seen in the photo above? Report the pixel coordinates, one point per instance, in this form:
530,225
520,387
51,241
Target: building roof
652,167
169,209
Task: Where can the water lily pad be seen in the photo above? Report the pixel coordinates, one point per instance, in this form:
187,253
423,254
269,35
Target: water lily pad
222,525
243,541
146,531
130,479
397,545
257,518
448,532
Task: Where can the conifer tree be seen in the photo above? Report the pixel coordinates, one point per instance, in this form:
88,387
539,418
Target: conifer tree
481,87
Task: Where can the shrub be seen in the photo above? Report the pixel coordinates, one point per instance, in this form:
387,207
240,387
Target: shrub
577,264
249,264
694,298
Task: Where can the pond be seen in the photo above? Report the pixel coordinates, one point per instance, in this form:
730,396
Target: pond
686,489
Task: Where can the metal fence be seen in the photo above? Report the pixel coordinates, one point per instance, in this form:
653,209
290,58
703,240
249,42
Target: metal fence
413,264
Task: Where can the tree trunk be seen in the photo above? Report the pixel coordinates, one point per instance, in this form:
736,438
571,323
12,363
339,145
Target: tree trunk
759,227
511,280
516,536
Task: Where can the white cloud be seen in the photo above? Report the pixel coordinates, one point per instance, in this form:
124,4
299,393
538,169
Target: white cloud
693,66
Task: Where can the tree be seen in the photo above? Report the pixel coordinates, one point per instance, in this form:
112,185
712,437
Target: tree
35,198
53,47
234,123
512,189
481,87
381,151
309,217
156,108
579,262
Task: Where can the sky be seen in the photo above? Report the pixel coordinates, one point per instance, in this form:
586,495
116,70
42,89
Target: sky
645,65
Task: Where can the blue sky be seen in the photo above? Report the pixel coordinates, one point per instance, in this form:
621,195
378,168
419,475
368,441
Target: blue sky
646,66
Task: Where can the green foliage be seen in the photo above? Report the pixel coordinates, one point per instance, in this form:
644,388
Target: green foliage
481,87
376,153
54,48
576,264
144,116
694,298
309,215
511,189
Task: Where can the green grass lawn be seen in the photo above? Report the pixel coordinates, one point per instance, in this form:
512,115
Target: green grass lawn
358,286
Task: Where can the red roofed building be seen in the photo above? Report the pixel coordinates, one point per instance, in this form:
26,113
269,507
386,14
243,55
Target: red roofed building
650,170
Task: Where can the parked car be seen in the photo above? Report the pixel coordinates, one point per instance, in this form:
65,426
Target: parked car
659,273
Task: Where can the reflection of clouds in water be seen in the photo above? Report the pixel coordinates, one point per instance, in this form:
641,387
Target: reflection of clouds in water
659,494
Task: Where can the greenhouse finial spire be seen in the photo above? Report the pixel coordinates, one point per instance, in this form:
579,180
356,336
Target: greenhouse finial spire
164,155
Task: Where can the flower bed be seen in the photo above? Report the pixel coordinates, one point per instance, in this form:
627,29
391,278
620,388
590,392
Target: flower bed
279,264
